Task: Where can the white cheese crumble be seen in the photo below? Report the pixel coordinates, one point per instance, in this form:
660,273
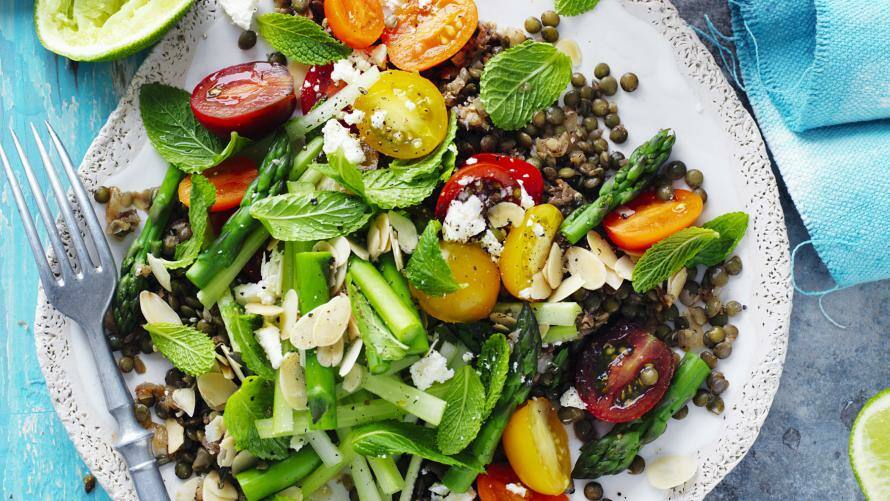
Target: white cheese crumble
240,11
378,54
215,429
268,289
525,200
270,339
337,137
441,493
348,70
464,220
492,245
517,489
354,117
433,368
297,442
538,230
571,398
378,119
466,357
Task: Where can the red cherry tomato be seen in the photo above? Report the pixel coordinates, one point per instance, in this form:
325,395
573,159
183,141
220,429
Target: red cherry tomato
610,377
492,486
522,171
251,99
487,181
230,178
318,86
647,219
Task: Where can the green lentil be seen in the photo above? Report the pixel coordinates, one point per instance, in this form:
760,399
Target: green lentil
533,25
629,82
612,120
601,70
618,134
550,34
694,178
675,170
579,80
608,85
733,266
102,195
247,39
550,18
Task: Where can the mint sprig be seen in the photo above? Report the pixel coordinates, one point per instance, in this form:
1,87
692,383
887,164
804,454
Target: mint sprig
464,405
731,227
669,255
387,438
189,350
251,402
300,39
201,198
427,269
574,7
493,365
306,217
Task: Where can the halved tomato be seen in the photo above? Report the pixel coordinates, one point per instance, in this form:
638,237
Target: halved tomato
230,178
358,23
624,374
251,99
318,86
537,446
522,171
492,486
488,181
429,32
527,248
638,225
471,266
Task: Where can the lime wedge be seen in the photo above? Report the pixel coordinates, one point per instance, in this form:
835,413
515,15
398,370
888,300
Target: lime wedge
100,30
870,447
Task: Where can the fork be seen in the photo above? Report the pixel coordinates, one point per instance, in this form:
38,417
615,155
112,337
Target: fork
81,289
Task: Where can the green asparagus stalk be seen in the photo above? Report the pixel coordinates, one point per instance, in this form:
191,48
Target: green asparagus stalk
614,452
273,173
524,365
257,484
132,282
304,158
399,284
628,182
219,285
401,319
312,289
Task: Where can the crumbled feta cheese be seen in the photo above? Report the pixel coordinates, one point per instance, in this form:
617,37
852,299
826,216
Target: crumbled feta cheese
492,245
297,442
571,398
354,117
348,70
378,119
538,230
215,429
517,489
337,137
268,289
471,161
466,357
463,220
270,339
441,493
377,55
525,200
433,368
439,489
240,11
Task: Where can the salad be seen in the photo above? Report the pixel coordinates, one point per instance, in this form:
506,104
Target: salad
420,282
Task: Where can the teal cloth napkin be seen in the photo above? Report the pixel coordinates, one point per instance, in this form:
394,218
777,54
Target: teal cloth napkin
817,74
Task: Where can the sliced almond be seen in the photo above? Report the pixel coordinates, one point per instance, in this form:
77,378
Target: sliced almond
159,271
379,236
404,230
351,356
264,310
570,48
331,320
353,380
237,368
343,249
585,264
667,472
188,490
213,490
339,279
505,213
184,398
352,330
612,279
325,246
290,313
397,253
301,335
568,287
175,435
624,267
601,248
243,461
358,250
539,289
227,452
676,282
331,356
292,381
553,267
156,310
215,389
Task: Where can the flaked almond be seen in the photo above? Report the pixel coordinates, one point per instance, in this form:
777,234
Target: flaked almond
330,356
353,380
342,249
601,248
539,289
234,365
570,48
505,213
175,435
568,287
331,320
676,282
292,381
156,310
264,310
358,250
397,253
351,357
159,439
379,236
290,313
612,279
338,279
624,267
188,490
352,331
301,335
214,490
161,273
184,398
227,452
215,389
405,232
553,267
667,472
585,264
245,460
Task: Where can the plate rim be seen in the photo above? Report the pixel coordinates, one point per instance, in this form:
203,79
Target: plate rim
773,292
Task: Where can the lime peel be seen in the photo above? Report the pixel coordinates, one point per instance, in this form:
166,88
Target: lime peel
870,447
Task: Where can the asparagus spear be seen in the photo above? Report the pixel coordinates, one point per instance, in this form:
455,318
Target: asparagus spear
523,365
257,484
132,282
614,452
420,344
273,173
401,319
628,182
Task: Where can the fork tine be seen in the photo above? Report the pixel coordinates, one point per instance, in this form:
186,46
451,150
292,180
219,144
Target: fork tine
46,275
106,259
83,255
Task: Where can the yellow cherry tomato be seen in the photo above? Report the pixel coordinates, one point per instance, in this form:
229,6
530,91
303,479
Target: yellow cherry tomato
471,266
527,247
537,447
404,115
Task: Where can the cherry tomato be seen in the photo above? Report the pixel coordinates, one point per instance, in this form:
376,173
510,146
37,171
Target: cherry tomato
537,447
527,247
492,486
429,32
230,178
358,23
488,181
624,374
318,86
251,99
647,219
522,171
471,266
405,115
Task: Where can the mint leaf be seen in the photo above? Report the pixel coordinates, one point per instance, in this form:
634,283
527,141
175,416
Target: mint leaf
521,80
374,333
388,189
343,171
493,365
387,438
427,269
241,327
176,134
300,39
433,161
304,217
669,255
465,400
201,198
731,227
574,7
189,350
251,402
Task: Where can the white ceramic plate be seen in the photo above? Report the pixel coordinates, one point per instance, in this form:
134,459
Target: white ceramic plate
680,87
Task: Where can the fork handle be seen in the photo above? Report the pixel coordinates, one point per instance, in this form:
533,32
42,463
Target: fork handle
134,441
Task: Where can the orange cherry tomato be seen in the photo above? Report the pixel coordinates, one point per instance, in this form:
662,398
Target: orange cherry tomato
358,23
230,178
646,219
471,266
537,446
492,486
428,33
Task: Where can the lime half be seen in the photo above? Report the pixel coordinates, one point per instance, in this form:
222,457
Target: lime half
100,30
870,447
